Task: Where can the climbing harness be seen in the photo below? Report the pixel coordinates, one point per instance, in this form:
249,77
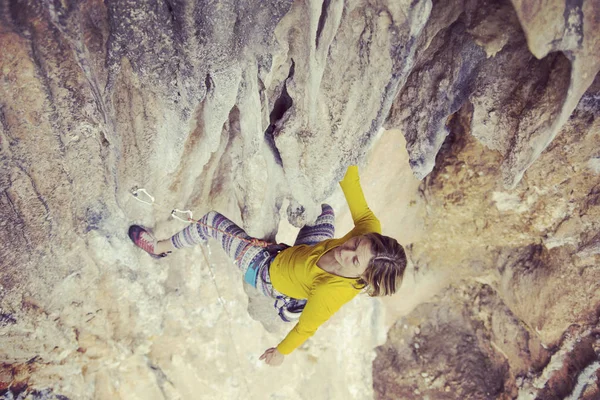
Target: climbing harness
288,308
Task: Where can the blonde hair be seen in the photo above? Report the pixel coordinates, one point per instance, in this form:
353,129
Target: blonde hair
383,275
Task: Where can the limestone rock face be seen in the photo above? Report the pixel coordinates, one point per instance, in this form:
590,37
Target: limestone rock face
255,109
520,102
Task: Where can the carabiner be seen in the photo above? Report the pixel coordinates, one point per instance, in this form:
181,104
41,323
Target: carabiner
187,212
136,195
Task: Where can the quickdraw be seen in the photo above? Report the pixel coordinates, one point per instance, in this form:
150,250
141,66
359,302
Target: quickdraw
289,309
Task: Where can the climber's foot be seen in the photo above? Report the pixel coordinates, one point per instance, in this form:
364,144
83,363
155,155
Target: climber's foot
144,240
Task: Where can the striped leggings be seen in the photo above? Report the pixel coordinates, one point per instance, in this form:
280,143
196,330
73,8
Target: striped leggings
252,260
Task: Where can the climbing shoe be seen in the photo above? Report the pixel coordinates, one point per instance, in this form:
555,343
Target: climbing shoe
144,240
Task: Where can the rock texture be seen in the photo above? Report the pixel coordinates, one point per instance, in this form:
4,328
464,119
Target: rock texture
524,288
255,109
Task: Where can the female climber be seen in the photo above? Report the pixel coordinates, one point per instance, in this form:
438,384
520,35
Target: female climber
327,272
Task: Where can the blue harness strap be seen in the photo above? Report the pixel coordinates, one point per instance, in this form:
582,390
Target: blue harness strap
251,275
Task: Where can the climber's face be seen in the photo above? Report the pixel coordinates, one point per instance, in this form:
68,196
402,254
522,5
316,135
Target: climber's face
354,255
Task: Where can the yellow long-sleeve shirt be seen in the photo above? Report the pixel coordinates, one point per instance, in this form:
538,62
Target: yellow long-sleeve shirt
294,272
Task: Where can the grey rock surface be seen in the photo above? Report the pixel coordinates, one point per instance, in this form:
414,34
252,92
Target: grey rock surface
255,109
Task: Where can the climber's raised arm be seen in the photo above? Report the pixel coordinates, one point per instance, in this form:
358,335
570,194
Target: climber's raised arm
364,219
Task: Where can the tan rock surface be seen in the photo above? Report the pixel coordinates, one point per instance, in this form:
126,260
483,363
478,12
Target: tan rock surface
255,109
